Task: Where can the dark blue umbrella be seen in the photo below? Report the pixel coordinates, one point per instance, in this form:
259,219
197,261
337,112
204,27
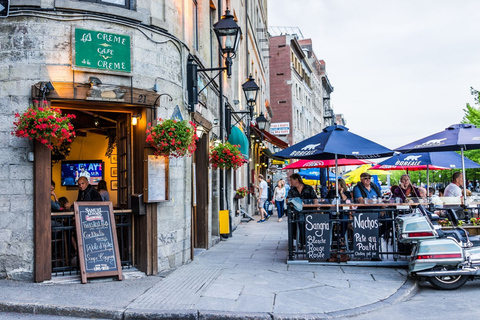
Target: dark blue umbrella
461,137
335,142
457,137
420,161
332,143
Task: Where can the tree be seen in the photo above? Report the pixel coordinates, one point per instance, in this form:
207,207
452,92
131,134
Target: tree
472,115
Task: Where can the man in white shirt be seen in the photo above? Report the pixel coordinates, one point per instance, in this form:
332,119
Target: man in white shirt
453,189
263,187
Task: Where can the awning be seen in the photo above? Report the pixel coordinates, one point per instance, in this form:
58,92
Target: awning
269,137
237,137
270,155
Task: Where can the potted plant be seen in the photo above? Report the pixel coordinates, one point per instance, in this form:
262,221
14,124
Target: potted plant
45,124
171,137
226,156
241,193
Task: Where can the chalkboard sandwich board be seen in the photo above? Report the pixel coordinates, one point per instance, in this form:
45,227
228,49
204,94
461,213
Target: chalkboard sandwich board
317,232
366,235
97,240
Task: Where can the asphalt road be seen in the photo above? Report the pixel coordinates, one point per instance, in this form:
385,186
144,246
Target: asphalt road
429,303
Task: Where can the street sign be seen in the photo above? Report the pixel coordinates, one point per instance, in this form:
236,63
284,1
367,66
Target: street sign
4,8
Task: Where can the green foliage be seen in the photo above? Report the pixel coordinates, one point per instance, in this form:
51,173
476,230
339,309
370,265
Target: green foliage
472,115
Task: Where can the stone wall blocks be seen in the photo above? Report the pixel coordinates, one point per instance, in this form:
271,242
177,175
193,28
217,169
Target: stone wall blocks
59,73
21,172
24,72
15,187
4,175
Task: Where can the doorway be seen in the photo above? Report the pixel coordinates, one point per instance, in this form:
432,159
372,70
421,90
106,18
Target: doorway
106,137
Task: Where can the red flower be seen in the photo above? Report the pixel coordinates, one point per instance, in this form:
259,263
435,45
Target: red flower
226,156
43,122
172,138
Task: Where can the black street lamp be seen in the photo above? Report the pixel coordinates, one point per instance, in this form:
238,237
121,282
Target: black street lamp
228,34
250,89
261,121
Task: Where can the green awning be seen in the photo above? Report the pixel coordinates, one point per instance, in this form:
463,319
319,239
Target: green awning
238,137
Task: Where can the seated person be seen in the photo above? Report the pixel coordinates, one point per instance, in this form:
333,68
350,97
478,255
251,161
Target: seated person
54,202
422,192
87,192
405,189
364,189
298,189
64,204
434,198
343,192
102,189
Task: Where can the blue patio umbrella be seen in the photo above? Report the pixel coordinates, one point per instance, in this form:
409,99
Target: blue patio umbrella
314,174
457,137
335,142
420,161
332,143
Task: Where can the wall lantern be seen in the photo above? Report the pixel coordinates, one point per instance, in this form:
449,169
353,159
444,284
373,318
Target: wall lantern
250,89
261,121
135,119
200,132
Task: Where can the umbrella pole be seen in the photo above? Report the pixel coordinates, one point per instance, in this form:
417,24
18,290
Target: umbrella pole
336,185
428,179
464,179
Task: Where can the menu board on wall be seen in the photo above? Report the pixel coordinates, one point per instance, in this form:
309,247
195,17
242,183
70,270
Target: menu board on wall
102,51
155,177
365,235
317,234
97,240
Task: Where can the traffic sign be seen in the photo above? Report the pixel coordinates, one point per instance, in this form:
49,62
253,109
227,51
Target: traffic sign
4,8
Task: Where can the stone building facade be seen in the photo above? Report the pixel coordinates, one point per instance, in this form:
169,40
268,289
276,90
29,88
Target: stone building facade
38,45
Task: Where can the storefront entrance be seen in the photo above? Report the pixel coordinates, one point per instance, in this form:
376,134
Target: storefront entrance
114,148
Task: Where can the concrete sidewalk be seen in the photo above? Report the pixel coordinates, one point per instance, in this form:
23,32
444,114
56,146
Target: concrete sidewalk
244,277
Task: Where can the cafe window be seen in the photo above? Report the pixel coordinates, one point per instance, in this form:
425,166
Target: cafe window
128,4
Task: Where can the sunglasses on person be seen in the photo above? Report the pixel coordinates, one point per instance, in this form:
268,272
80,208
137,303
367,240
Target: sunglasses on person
367,178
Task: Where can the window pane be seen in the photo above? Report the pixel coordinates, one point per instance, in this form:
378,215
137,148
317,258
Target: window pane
118,2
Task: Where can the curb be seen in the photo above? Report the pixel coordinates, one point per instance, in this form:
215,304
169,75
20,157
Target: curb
408,288
67,311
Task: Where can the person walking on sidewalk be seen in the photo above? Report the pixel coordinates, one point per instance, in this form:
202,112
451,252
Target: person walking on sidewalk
268,207
279,196
262,200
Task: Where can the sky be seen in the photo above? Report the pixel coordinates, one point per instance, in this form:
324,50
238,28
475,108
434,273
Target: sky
401,69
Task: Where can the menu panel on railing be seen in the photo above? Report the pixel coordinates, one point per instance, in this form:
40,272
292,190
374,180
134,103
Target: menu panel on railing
97,240
317,234
365,235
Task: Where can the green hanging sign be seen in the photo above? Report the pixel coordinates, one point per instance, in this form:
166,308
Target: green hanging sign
102,51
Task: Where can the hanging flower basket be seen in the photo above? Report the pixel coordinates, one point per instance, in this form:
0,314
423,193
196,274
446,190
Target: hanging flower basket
45,124
226,156
171,137
241,193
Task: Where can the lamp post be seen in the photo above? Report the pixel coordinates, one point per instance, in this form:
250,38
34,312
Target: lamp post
228,35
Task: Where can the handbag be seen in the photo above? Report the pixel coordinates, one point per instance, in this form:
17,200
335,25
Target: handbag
270,207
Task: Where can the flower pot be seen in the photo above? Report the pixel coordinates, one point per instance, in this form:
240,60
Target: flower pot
237,196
